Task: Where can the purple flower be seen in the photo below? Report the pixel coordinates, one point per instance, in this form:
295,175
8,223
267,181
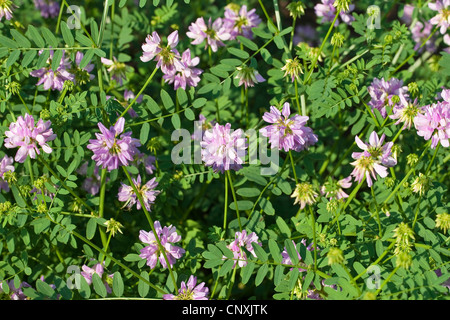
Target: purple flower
214,33
82,75
374,159
327,11
408,11
405,112
333,189
248,76
287,133
382,92
54,79
190,291
48,8
116,69
434,122
113,147
88,272
15,293
187,74
241,22
92,183
442,19
420,32
26,135
5,165
6,9
305,33
222,149
152,253
147,191
287,260
243,240
167,57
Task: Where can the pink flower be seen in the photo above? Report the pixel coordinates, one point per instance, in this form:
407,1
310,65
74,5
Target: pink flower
374,159
152,253
113,147
434,122
248,76
222,149
26,135
54,79
147,191
116,69
241,22
442,19
88,272
243,241
5,165
287,133
6,9
167,57
333,189
187,74
190,291
405,112
382,92
327,11
214,33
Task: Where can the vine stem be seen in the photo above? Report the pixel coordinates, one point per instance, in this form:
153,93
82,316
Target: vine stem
140,92
152,226
101,207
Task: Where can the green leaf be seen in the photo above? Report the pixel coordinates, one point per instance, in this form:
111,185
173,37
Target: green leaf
33,34
67,34
144,134
248,192
260,253
238,53
91,227
143,287
118,287
167,101
246,272
8,43
99,286
292,252
261,274
44,288
56,60
176,122
248,43
284,228
242,205
14,55
20,39
49,37
28,57
275,251
87,58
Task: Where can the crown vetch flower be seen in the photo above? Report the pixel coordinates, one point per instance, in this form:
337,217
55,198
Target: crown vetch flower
116,68
223,149
434,122
374,159
27,135
333,189
54,79
420,32
248,76
442,19
405,112
112,147
48,8
287,133
6,9
304,194
88,272
167,56
152,253
147,191
6,164
82,75
187,75
293,68
190,290
241,22
382,92
15,293
327,11
243,240
214,33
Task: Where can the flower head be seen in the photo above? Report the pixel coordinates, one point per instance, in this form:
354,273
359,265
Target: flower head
333,189
382,92
248,76
442,19
214,33
243,240
187,74
287,133
6,9
27,136
88,272
48,8
374,159
6,165
327,11
113,147
304,194
152,253
443,221
335,256
223,149
116,68
405,112
241,22
293,68
421,184
190,290
147,191
113,226
14,293
54,79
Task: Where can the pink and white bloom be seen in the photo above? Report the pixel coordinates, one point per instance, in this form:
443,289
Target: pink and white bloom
375,159
248,76
54,79
405,112
147,191
223,149
152,252
6,9
214,33
243,241
27,135
88,272
187,75
381,93
6,164
112,147
442,19
287,133
116,69
241,22
327,11
189,290
166,56
434,122
334,189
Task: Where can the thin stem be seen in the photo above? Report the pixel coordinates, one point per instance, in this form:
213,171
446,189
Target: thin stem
59,17
313,224
387,280
293,167
234,199
225,208
300,111
432,159
376,261
101,207
376,211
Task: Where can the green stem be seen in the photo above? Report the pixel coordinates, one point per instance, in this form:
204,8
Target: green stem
140,92
347,202
225,207
59,17
300,111
150,220
376,261
293,167
387,280
234,199
313,224
432,159
376,211
101,208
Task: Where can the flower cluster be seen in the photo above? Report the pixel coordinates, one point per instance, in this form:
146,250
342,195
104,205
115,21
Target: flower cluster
382,92
27,135
48,8
242,241
147,192
6,165
152,252
178,70
327,11
190,290
98,269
